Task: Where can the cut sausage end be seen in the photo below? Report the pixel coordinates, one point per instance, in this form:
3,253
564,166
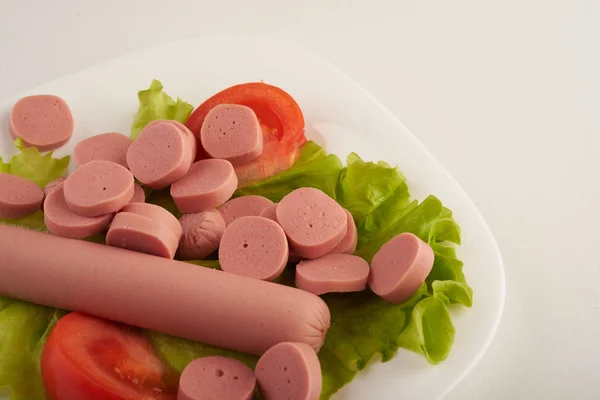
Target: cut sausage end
216,377
111,146
98,187
41,121
208,184
244,206
289,370
19,197
232,132
255,247
400,267
333,273
313,222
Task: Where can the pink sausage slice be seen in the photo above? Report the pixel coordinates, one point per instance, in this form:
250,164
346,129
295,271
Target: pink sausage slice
289,371
135,232
159,294
202,233
42,121
19,197
155,213
138,194
243,207
333,273
55,184
110,146
192,141
232,132
270,212
350,240
400,267
216,378
160,156
62,221
255,247
207,185
314,223
98,188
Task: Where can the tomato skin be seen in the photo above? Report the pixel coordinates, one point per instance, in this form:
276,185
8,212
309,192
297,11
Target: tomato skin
281,120
73,368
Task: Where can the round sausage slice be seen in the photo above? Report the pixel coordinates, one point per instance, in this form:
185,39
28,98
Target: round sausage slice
350,240
400,267
98,188
155,213
244,206
160,156
208,184
192,141
232,132
62,221
314,223
289,370
55,184
270,212
255,247
135,232
42,121
111,146
138,194
216,378
333,273
19,197
202,233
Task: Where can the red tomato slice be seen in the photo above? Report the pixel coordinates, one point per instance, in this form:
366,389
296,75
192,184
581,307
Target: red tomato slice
281,120
91,358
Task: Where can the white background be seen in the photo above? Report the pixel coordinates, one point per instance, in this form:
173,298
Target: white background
506,94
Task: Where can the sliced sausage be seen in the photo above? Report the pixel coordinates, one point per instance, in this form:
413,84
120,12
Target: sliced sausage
254,246
19,197
160,156
207,185
155,213
232,132
155,293
244,206
216,378
111,146
202,233
42,121
313,222
289,371
270,212
62,221
333,273
350,240
192,141
400,267
138,194
50,186
138,233
98,188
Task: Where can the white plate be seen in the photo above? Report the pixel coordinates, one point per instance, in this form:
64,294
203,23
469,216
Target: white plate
339,113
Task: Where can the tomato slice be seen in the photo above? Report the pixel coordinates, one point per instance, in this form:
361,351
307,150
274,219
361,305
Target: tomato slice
281,121
91,358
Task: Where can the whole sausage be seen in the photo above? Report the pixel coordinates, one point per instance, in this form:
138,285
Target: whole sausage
173,297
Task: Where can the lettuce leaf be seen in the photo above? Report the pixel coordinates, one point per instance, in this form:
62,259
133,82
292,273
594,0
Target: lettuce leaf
314,168
156,104
24,328
30,164
34,222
